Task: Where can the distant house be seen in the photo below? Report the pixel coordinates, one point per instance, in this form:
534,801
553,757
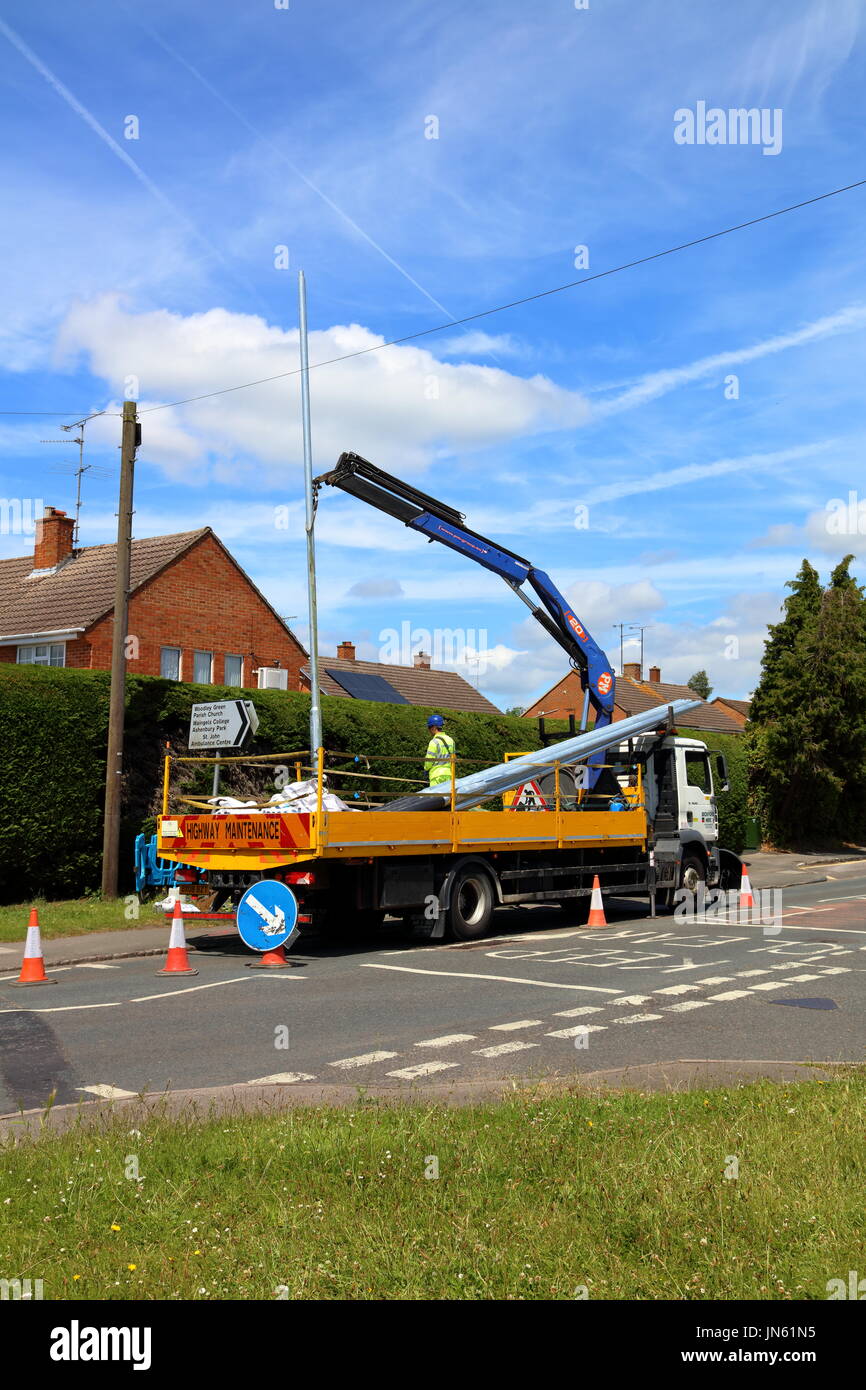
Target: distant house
737,710
194,615
632,695
344,675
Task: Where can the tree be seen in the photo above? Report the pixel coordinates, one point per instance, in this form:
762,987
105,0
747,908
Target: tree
516,709
801,609
807,732
700,684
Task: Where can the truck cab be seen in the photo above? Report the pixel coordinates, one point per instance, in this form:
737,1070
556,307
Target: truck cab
681,780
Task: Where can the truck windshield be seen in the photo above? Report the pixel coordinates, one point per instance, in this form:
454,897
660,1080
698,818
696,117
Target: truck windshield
698,772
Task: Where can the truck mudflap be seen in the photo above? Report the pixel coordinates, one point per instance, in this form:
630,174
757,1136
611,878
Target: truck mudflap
730,869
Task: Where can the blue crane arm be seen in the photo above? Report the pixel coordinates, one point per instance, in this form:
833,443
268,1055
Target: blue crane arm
439,522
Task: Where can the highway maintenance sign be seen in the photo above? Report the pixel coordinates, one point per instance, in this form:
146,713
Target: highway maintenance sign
223,724
267,915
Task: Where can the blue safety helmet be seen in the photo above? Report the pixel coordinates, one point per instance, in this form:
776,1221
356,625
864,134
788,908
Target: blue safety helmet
435,721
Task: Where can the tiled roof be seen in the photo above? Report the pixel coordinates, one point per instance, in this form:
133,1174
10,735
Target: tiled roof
82,589
635,697
706,716
741,706
440,689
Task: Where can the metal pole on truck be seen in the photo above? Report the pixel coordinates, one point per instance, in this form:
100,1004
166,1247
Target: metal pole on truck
315,706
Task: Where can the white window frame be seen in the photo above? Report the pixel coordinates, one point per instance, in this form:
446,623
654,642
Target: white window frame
195,656
233,656
48,647
179,651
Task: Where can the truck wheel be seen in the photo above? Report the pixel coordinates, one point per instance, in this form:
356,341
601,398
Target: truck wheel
472,904
693,873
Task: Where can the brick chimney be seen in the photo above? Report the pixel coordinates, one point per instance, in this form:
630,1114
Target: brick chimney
421,661
632,669
53,539
655,675
346,651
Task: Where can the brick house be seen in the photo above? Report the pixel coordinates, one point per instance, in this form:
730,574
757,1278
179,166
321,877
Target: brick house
738,710
417,684
193,612
633,695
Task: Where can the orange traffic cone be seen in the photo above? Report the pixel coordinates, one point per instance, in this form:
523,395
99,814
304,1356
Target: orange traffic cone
747,902
177,960
33,965
596,906
271,960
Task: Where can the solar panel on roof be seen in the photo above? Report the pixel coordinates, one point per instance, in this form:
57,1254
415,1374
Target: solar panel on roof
367,687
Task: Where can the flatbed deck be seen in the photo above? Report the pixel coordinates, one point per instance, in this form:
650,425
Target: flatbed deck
267,841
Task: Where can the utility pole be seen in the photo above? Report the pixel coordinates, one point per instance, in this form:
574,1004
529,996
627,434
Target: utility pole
130,439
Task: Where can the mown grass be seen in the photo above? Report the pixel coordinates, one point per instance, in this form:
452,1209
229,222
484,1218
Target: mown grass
537,1196
76,916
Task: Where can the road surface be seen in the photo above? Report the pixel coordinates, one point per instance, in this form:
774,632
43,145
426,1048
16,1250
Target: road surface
538,999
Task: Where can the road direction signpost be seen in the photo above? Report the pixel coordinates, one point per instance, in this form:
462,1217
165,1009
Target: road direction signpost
267,915
222,724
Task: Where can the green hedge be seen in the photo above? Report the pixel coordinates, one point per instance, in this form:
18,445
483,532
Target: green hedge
53,724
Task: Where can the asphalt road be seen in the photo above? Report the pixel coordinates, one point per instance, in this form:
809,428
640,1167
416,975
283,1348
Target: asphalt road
538,999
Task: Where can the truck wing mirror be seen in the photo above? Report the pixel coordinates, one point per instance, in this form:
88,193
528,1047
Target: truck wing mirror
722,772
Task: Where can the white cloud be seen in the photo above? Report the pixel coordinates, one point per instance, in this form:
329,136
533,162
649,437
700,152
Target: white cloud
400,406
648,388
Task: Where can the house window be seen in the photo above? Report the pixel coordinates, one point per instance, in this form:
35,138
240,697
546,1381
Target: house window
202,665
234,670
169,663
45,654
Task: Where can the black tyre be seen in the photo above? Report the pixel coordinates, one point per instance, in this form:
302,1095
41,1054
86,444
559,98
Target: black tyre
693,873
472,904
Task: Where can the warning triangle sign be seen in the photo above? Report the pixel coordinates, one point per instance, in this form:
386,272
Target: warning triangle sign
528,797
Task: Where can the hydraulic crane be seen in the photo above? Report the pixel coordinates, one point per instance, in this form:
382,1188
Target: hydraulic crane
439,522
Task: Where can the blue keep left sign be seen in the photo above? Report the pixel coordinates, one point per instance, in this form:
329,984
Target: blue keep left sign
267,915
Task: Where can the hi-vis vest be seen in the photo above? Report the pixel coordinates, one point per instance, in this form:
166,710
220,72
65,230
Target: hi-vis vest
438,760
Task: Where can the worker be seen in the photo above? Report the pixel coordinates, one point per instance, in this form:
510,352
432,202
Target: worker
440,751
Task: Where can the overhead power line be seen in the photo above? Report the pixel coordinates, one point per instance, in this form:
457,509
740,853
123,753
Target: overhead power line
497,309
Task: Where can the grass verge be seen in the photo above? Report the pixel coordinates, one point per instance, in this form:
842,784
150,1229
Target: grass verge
536,1197
75,917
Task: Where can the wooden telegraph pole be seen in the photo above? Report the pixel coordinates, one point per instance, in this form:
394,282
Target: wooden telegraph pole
130,439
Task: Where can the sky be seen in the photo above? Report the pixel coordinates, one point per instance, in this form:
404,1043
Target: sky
667,442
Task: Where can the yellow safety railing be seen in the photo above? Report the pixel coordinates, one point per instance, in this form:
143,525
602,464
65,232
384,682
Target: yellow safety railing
324,766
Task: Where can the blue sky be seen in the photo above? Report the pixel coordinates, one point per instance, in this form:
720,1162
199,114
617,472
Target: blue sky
307,128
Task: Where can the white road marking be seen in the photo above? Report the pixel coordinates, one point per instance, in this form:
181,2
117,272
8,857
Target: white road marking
521,1023
772,984
676,989
632,999
637,1018
447,1041
502,1049
730,994
686,1005
280,1078
580,1029
422,1069
500,979
64,1008
716,980
215,984
748,974
107,1092
579,1013
801,979
844,898
837,970
364,1060
95,965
